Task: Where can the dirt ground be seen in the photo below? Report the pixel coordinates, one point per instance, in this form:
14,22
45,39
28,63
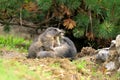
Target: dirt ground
61,69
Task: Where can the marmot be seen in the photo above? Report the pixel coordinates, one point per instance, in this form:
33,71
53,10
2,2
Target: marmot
66,49
45,42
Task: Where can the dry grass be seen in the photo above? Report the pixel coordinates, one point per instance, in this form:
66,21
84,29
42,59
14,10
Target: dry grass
56,68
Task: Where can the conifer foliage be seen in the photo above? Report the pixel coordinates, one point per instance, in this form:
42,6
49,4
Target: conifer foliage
90,18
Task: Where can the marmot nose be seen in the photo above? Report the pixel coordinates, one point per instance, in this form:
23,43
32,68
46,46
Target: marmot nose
62,31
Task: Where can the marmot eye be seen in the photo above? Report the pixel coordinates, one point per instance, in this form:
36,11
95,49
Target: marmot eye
54,29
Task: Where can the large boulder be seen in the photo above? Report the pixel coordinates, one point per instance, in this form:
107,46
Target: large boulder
118,44
102,54
111,56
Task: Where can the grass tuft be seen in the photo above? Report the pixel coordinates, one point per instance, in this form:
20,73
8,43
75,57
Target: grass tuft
11,42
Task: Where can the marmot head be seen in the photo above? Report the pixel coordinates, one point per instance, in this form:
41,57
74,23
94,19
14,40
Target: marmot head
53,32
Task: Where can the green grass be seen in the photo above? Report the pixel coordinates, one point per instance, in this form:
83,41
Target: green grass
13,70
55,65
80,64
10,42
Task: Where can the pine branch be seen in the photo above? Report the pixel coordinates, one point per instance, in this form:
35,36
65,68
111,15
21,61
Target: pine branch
27,24
13,23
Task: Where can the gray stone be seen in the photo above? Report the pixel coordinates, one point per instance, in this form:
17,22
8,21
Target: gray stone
118,70
118,44
110,66
103,54
112,46
119,59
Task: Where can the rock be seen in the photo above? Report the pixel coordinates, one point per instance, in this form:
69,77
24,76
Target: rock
112,46
110,66
118,70
112,63
118,44
103,54
119,59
